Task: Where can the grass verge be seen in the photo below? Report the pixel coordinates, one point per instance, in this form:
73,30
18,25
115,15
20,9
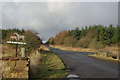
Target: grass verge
85,50
73,49
104,58
51,67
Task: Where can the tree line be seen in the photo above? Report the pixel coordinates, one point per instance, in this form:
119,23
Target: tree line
96,36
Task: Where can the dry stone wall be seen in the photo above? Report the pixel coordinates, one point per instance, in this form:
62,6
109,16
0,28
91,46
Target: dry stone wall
15,68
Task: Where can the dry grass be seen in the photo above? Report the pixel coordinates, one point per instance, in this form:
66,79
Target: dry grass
7,51
105,58
43,47
73,49
113,50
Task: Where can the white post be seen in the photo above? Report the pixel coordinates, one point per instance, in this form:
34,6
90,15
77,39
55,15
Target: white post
23,52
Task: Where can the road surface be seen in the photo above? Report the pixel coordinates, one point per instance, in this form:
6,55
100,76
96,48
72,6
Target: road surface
86,67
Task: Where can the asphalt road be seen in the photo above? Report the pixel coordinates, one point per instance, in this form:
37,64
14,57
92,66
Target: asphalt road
86,67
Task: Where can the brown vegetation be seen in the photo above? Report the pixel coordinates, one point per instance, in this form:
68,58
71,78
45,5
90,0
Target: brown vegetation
111,52
59,38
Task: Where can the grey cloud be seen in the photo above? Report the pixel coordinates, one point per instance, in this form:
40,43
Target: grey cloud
50,18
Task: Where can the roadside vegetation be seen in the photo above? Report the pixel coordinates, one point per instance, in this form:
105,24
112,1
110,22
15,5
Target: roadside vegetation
97,38
49,65
105,58
52,67
99,54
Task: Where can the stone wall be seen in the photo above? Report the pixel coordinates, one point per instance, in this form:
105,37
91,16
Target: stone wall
15,68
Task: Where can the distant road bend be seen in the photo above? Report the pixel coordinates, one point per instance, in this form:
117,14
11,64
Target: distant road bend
87,67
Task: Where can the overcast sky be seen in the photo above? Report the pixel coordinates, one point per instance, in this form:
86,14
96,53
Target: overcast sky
49,18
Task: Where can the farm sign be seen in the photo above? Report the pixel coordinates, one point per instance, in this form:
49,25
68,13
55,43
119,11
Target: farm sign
12,42
17,40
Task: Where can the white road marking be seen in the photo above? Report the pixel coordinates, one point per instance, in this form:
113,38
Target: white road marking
72,76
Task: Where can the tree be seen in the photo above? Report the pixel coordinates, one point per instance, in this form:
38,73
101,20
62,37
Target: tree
102,34
32,40
59,38
116,36
77,33
70,41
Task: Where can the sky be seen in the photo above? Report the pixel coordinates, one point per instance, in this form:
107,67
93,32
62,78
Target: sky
50,18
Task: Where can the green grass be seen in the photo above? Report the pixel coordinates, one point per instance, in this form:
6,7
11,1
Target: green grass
51,67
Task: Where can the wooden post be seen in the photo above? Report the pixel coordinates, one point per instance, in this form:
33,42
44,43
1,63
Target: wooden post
16,50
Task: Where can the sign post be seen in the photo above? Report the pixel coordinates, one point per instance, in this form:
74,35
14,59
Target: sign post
16,43
16,49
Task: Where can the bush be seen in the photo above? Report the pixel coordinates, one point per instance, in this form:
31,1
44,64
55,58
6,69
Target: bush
32,40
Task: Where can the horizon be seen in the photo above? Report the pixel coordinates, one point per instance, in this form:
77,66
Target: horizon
44,41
